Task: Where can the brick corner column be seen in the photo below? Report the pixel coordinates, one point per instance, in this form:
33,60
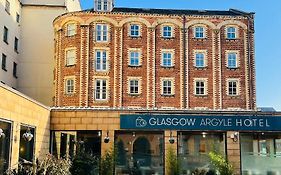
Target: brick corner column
233,152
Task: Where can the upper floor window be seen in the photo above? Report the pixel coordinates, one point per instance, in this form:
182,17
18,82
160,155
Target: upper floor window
200,87
15,67
18,18
134,30
7,6
167,31
134,58
99,5
199,32
16,45
101,89
167,58
101,32
5,34
167,87
105,5
101,60
71,29
70,57
231,33
232,60
134,87
69,86
4,62
199,60
232,87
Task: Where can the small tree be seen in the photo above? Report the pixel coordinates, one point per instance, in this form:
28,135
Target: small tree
220,163
84,164
107,162
173,163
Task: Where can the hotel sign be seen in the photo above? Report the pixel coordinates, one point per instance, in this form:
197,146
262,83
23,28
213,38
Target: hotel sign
188,122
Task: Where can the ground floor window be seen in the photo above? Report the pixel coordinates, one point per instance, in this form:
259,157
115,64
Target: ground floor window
27,140
260,153
194,147
5,144
139,152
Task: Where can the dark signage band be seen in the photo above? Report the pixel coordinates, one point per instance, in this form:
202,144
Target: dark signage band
215,123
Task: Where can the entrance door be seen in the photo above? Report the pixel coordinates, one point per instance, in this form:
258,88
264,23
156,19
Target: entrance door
141,152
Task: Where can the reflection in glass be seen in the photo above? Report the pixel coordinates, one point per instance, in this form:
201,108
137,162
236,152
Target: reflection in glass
193,149
5,141
260,153
139,152
26,150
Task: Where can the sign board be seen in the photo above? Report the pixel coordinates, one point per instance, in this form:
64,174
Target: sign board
190,122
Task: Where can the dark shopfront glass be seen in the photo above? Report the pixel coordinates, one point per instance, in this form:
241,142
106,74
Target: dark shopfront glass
26,151
261,153
139,153
5,142
194,147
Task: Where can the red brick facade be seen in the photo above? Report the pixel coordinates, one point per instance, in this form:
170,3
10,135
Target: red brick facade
151,44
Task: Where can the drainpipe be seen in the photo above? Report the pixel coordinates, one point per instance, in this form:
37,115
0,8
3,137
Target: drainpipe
184,63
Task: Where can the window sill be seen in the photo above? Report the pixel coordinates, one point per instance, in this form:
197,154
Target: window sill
201,96
101,101
134,95
233,69
4,69
201,68
15,76
134,66
16,51
70,36
69,95
135,37
6,42
230,39
168,95
200,39
70,65
168,38
233,96
168,67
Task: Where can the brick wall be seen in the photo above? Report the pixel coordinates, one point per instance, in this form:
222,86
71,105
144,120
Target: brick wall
151,43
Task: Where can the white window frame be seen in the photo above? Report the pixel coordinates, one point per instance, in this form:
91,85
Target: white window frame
230,33
70,60
169,31
71,29
134,55
101,61
102,32
105,5
133,31
230,93
169,85
102,90
204,53
229,56
170,52
99,4
135,84
69,85
205,88
199,32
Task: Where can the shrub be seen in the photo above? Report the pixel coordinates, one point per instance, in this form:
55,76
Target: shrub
107,162
84,164
173,163
220,164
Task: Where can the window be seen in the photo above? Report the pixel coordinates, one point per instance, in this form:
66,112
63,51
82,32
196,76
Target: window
99,5
18,18
199,60
101,60
15,65
135,58
232,60
71,29
16,45
135,30
102,30
233,87
105,5
134,87
101,90
167,87
231,33
167,59
5,145
167,31
199,32
69,86
5,34
70,57
7,6
4,62
200,88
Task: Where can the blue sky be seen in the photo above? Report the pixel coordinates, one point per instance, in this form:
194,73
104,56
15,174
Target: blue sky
267,36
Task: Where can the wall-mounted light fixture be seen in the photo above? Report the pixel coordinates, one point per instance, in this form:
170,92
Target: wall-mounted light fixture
99,133
134,134
204,134
27,136
171,139
234,136
2,134
106,138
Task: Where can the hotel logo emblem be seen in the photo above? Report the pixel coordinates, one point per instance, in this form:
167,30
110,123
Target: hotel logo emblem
140,122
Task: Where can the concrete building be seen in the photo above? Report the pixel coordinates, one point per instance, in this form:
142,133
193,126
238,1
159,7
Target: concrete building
22,66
